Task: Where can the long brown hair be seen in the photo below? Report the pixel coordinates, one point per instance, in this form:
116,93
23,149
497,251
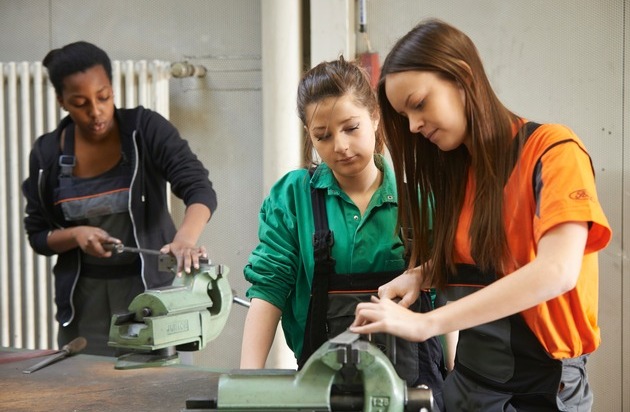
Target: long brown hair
336,79
432,183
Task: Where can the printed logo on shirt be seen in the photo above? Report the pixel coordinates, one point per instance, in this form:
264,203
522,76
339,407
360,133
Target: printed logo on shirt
581,194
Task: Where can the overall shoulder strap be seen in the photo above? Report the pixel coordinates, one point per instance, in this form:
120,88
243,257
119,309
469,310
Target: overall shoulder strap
322,237
315,333
527,129
67,160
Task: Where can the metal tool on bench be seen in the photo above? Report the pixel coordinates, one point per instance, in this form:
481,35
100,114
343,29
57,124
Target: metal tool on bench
73,347
345,374
182,317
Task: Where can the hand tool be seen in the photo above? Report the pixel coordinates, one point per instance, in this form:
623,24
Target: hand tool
120,248
346,373
75,346
166,262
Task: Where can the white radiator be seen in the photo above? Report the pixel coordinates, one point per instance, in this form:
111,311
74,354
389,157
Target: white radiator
28,108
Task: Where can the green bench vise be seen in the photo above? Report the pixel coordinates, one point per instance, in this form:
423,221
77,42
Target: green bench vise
182,317
345,374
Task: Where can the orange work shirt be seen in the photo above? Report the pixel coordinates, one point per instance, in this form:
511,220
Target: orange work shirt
552,183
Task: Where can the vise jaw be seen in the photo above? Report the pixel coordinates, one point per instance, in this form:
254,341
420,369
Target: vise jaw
344,374
184,316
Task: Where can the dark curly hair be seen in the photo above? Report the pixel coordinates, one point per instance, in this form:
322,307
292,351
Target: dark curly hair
73,58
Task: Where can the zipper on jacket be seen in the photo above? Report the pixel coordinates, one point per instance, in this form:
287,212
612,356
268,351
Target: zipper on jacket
40,187
74,286
133,222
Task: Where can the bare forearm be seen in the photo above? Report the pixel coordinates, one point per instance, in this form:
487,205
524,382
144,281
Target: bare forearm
554,272
258,334
195,219
450,349
505,297
62,240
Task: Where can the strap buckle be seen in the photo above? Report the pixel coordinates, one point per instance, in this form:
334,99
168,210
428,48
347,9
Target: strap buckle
323,239
67,160
66,163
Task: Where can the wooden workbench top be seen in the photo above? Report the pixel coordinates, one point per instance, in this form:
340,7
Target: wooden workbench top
91,383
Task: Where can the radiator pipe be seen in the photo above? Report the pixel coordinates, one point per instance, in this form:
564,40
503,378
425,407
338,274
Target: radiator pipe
185,69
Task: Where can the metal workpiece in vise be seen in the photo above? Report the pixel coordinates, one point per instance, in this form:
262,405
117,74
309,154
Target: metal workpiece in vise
345,374
182,317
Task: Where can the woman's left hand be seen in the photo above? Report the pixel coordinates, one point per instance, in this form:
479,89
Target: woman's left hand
406,286
187,255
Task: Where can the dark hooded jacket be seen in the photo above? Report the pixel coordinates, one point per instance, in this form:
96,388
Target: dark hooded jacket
158,155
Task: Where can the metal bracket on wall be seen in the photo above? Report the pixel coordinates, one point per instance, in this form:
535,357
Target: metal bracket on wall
185,69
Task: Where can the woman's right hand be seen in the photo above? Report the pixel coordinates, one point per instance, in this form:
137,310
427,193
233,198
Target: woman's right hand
91,240
406,286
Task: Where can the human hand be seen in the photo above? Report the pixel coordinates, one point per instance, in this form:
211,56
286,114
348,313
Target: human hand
385,316
187,255
406,287
91,240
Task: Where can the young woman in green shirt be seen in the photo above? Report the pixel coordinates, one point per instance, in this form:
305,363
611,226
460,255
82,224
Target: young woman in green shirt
338,108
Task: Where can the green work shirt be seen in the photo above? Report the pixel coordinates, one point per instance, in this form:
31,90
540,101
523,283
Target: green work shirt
281,267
